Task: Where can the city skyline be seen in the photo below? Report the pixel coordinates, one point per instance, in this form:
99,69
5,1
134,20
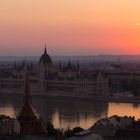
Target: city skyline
69,27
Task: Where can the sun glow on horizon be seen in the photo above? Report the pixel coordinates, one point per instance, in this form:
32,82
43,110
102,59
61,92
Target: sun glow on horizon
137,24
70,27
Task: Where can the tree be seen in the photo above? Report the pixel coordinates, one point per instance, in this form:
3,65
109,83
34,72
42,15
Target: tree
50,129
77,129
68,133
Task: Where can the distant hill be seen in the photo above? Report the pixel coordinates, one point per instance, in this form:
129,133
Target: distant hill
95,58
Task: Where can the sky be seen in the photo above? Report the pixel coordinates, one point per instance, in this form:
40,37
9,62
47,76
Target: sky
69,27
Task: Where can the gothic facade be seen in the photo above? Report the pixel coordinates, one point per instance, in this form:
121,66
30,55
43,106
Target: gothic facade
64,80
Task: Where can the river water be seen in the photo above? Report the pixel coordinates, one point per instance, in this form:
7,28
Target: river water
64,113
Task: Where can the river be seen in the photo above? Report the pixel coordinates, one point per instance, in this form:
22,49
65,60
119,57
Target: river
64,113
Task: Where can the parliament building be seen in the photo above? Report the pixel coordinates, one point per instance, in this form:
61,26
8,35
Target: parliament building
64,80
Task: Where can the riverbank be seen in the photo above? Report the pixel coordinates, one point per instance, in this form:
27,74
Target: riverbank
89,98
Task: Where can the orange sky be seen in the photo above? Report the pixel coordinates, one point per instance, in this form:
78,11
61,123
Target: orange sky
70,27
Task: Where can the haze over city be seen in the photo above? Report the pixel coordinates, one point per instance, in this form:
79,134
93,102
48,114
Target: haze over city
69,27
70,69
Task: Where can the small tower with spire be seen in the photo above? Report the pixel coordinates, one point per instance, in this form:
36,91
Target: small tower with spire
15,65
27,89
78,66
69,64
60,65
30,123
45,50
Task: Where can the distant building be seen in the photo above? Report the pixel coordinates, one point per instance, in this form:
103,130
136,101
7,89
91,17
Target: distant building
128,81
63,80
6,125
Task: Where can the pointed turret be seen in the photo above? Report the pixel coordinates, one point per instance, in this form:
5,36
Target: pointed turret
45,50
69,64
15,65
27,89
23,63
60,65
30,123
78,65
31,65
24,71
27,110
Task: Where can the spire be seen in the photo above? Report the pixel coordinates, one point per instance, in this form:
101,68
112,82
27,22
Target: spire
15,65
45,50
27,89
69,63
60,65
78,65
31,65
24,62
24,67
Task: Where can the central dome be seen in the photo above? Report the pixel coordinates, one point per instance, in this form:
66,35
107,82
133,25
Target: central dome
45,58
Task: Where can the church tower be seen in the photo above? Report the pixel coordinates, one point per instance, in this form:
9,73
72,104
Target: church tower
30,123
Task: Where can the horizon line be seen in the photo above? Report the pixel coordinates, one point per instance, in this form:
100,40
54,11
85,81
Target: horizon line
71,55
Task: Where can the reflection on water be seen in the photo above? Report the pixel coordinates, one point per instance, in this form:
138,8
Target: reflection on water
123,109
7,110
65,112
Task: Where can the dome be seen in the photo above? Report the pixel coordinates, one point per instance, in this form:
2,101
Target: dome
45,58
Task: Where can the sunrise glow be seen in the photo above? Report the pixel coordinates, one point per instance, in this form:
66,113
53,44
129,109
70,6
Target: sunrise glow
70,27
